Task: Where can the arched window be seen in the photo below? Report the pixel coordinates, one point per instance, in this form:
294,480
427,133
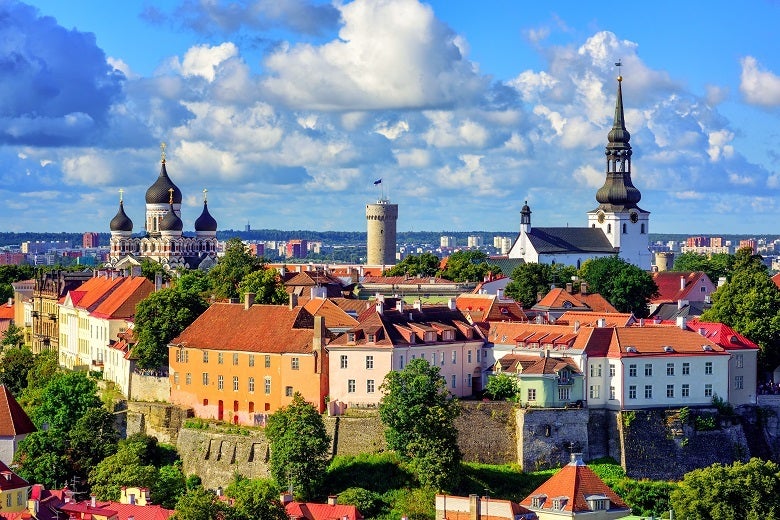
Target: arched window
624,229
642,229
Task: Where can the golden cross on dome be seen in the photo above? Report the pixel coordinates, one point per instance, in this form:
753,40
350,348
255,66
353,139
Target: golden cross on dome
162,151
170,200
205,191
121,192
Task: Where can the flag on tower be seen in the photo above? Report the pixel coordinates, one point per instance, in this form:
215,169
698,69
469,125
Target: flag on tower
378,181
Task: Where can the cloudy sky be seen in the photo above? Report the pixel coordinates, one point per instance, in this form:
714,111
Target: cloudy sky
287,111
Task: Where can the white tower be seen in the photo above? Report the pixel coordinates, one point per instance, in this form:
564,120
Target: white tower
381,220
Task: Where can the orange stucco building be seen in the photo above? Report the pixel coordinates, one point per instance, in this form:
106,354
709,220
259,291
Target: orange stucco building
241,362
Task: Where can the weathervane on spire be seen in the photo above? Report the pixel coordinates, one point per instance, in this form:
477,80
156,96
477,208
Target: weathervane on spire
121,192
205,191
618,64
162,151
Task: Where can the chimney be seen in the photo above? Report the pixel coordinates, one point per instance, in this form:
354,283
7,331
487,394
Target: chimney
539,296
10,302
682,322
569,288
641,322
451,304
92,500
418,304
499,294
681,304
576,327
399,305
332,499
157,281
380,307
318,342
285,498
682,283
249,300
293,301
584,288
474,512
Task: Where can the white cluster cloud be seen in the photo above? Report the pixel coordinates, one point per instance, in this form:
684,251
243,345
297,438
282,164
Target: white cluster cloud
760,87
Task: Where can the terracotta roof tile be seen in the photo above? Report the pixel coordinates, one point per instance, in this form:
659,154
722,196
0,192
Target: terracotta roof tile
591,319
674,286
121,302
13,420
9,479
655,341
312,511
722,334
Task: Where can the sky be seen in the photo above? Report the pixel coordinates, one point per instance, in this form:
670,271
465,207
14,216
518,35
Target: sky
288,111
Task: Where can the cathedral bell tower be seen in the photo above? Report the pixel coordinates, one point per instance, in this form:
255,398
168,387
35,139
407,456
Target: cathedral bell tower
625,224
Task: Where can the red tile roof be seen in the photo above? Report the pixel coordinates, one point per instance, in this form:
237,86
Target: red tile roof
560,299
7,311
655,341
85,509
488,307
722,334
92,292
10,480
333,314
575,482
776,279
591,319
312,511
676,285
261,328
13,420
121,302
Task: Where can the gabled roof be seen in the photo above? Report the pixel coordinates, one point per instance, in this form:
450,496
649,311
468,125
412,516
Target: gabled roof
676,285
575,482
525,364
13,420
404,280
335,317
10,480
776,279
86,510
592,319
660,341
562,337
722,334
121,302
559,240
672,310
559,299
312,511
7,311
488,307
94,291
261,328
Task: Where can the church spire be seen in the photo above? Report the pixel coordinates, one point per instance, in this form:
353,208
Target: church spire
618,193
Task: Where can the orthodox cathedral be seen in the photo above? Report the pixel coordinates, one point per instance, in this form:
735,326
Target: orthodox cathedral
163,241
616,226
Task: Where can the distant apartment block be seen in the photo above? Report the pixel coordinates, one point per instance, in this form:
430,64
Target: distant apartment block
475,241
8,258
296,248
90,240
256,249
448,242
749,243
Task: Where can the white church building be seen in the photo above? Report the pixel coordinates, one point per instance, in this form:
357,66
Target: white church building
616,226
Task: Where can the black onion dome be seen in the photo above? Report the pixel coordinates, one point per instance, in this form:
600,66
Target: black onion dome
171,221
158,193
205,221
121,222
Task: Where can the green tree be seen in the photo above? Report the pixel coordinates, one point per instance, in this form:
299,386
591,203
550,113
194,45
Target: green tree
169,486
742,490
299,447
14,367
10,274
135,463
150,269
45,367
714,266
66,398
256,499
750,303
419,413
236,263
41,458
528,281
501,386
194,281
425,264
201,504
92,438
369,503
159,318
12,337
468,266
627,287
267,286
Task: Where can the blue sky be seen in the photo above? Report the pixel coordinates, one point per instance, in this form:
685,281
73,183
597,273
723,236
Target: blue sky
288,110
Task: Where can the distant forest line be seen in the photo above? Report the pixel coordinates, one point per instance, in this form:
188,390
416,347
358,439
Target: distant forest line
336,238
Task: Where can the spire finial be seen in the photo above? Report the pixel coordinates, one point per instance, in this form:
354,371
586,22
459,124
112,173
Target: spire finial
205,191
162,152
618,64
170,200
121,193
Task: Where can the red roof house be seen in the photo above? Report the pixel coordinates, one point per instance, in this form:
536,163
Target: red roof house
14,425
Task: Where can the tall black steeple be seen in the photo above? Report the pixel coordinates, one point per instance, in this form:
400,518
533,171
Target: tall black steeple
618,193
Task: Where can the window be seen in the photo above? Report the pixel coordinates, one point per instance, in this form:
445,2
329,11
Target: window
220,358
188,378
251,360
739,361
564,393
295,363
235,383
267,385
648,370
369,362
343,361
351,386
20,499
670,369
251,384
401,362
632,370
708,390
478,351
612,392
739,383
454,357
648,391
220,382
670,391
267,361
632,392
642,229
708,368
288,391
624,229
468,380
8,500
370,386
205,356
595,370
686,370
611,370
235,359
433,358
532,394
685,390
595,390
205,378
468,356
454,381
175,378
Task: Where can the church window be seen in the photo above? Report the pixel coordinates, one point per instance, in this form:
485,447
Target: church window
642,229
624,229
609,228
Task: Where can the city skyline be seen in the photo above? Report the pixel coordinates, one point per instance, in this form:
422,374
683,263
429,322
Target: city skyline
288,112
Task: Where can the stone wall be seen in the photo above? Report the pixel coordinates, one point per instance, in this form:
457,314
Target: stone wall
149,388
768,422
547,437
486,432
162,420
355,435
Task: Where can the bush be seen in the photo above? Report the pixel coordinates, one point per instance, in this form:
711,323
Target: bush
704,423
369,503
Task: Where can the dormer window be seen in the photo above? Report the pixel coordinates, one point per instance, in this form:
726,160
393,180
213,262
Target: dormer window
538,501
371,337
598,503
448,335
351,337
430,337
559,503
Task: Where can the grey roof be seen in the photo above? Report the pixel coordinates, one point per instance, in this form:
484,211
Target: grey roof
670,312
507,265
570,240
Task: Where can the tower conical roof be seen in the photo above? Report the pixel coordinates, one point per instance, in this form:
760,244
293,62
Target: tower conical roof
121,222
158,193
205,221
171,221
